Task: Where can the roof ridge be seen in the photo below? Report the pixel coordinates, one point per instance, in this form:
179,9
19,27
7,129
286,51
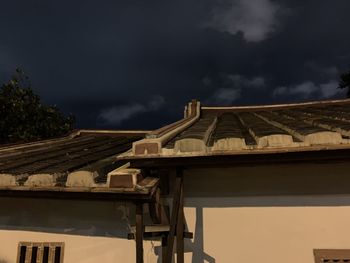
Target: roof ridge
297,104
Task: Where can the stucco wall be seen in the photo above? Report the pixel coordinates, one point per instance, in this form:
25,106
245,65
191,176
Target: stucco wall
244,214
93,231
265,233
267,214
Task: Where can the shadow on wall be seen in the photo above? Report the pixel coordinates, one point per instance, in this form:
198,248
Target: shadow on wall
77,217
196,247
264,186
267,180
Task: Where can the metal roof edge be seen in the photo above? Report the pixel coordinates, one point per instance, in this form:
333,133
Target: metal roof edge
320,155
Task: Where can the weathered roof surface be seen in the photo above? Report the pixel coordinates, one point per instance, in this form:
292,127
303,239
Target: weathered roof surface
81,160
64,155
246,129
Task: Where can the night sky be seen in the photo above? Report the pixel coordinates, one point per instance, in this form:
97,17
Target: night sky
135,64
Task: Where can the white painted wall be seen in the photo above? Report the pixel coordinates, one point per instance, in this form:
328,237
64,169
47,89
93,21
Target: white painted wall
273,234
269,214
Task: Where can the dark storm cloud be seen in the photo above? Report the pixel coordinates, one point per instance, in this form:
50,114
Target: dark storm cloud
97,59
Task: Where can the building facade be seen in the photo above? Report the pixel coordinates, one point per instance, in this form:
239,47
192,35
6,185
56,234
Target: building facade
224,184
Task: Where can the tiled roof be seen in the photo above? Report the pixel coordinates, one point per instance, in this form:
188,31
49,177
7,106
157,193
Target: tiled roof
253,128
50,162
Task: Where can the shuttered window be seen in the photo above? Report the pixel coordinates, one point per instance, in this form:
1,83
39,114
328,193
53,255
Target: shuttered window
332,255
40,252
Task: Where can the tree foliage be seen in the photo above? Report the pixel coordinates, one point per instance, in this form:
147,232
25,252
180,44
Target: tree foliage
345,82
23,117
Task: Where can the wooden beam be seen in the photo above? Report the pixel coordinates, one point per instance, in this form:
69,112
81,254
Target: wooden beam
155,231
159,212
164,181
139,233
180,229
155,208
157,235
319,154
143,194
174,215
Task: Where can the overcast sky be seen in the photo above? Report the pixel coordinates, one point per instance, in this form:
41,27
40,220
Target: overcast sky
135,64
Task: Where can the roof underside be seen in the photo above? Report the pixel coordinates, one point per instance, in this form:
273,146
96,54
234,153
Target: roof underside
246,129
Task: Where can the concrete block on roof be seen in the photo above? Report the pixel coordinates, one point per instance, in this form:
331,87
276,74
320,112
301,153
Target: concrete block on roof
229,144
326,137
81,179
7,180
275,140
190,145
41,180
124,178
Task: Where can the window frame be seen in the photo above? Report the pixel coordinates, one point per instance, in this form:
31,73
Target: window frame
331,254
40,251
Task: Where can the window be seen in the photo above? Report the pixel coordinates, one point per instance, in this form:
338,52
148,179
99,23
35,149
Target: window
40,252
332,255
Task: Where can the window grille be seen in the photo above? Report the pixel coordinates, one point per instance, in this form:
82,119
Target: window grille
332,255
40,252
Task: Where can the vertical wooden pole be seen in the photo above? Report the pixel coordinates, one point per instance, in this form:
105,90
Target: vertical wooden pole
139,233
155,208
174,216
164,247
180,229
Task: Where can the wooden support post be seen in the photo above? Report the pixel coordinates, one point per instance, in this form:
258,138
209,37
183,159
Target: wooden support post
155,208
164,181
139,233
180,230
164,247
174,215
